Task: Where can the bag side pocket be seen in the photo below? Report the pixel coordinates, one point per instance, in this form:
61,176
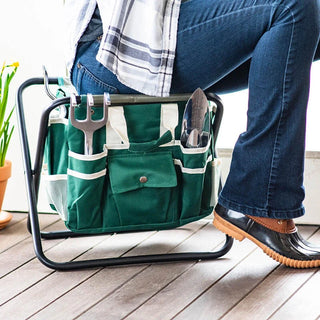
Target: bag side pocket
55,165
86,189
195,179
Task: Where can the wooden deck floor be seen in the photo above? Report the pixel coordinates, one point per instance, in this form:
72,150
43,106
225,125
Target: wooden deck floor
245,284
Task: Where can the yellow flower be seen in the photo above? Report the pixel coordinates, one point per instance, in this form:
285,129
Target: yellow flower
15,64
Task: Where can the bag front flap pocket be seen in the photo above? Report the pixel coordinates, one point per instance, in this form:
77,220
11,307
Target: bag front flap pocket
131,172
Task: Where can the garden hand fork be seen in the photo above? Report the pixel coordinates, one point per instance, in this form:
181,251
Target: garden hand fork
89,126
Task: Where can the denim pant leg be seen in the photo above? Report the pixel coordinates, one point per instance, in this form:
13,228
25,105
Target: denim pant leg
90,76
215,37
266,175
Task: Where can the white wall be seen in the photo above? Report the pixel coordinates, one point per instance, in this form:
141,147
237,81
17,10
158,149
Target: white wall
32,33
234,120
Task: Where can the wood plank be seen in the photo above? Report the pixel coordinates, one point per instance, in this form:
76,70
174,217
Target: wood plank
185,289
179,293
267,297
275,290
18,248
245,283
32,272
21,253
17,231
13,233
191,285
167,240
304,304
117,276
218,299
151,280
57,284
57,223
231,289
16,217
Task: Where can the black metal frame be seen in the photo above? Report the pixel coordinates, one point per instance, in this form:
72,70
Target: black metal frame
32,176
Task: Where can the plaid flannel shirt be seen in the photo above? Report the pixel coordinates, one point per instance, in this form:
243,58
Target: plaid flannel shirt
138,43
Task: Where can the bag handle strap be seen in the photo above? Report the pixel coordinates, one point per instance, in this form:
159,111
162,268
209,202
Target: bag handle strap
117,132
151,145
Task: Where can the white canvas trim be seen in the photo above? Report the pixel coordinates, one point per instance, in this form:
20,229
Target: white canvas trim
58,121
192,170
87,176
55,177
169,118
88,157
195,150
117,132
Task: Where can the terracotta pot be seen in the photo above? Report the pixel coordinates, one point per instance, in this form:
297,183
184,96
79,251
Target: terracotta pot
5,174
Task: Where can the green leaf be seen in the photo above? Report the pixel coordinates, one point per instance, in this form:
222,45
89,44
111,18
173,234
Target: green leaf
5,130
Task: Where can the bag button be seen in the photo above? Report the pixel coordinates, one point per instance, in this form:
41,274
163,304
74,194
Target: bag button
143,179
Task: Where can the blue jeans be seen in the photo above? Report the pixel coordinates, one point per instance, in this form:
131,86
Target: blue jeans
227,45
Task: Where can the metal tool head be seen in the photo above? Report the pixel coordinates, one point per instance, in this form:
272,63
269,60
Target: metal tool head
194,133
88,125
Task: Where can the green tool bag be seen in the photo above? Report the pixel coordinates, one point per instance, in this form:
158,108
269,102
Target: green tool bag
139,176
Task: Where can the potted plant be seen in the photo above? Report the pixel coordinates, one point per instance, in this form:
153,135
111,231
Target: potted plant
6,75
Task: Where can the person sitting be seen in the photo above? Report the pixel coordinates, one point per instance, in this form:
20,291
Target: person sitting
168,46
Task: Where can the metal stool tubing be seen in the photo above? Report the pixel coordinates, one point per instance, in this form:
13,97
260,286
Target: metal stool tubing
32,177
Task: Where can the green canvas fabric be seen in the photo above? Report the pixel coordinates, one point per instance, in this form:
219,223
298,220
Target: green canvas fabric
152,183
154,170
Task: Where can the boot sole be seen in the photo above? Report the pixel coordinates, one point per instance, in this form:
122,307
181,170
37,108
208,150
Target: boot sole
238,234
